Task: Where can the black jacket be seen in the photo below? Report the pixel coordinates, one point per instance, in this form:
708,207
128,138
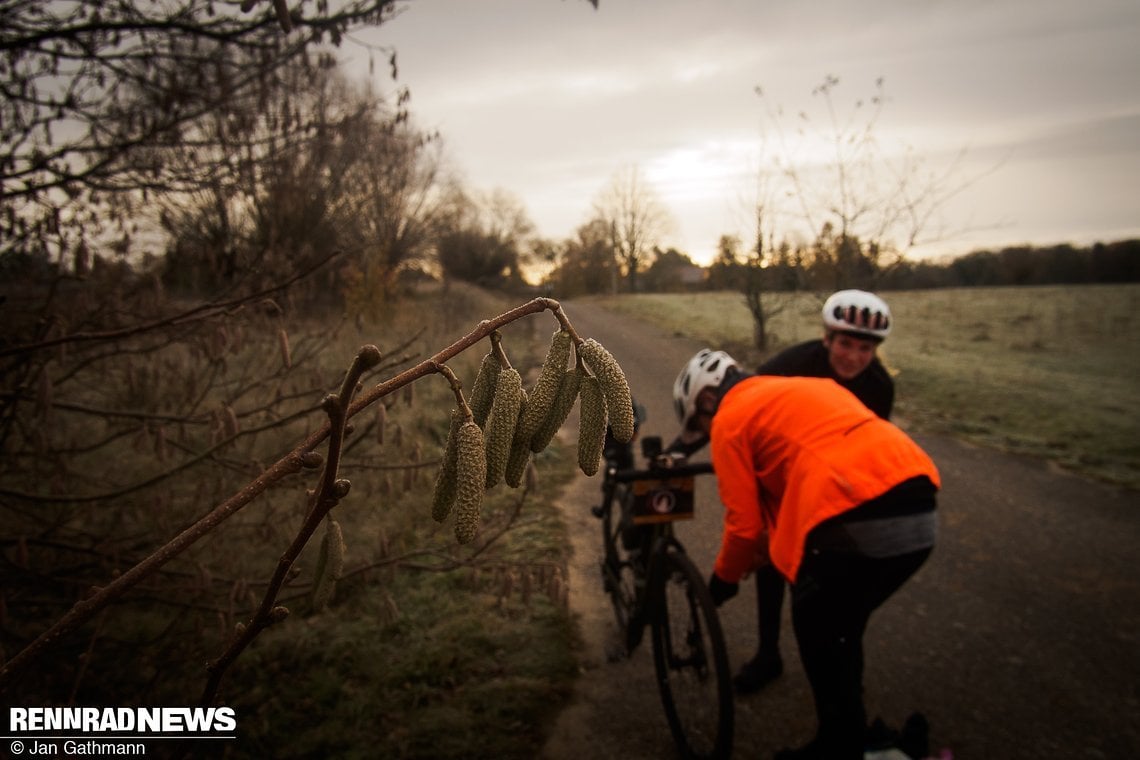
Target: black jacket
873,386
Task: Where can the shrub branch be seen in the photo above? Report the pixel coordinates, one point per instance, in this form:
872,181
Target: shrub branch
289,464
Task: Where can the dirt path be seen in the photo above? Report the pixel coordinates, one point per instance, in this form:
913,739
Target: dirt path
1018,639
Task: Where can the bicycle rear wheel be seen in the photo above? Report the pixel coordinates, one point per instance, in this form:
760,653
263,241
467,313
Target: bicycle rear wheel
691,661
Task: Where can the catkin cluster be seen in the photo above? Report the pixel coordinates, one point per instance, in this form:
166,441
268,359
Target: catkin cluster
510,423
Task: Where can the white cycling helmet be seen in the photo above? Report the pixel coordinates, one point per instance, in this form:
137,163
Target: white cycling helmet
857,312
706,369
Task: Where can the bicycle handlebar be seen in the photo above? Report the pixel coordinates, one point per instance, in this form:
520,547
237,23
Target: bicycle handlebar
657,473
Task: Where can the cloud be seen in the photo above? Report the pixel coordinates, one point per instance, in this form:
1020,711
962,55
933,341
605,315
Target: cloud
548,98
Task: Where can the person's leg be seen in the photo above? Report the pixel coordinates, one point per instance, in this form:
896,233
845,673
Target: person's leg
767,664
769,603
832,601
828,618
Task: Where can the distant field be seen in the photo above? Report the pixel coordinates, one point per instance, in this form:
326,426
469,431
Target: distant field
1048,371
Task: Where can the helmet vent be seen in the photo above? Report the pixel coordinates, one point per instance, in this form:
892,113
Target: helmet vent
858,312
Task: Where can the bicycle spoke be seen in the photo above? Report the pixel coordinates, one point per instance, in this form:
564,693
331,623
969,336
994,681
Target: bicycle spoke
692,667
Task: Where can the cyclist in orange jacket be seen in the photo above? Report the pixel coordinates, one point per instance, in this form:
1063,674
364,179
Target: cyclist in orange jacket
855,322
839,500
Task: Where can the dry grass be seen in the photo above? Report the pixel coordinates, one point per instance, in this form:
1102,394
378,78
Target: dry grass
1046,371
412,658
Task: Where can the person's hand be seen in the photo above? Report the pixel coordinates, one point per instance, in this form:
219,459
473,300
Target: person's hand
721,590
761,557
668,460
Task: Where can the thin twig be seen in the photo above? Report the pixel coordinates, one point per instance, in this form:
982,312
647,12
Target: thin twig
327,496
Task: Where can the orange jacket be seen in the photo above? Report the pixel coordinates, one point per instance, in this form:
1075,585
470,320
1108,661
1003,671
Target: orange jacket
789,453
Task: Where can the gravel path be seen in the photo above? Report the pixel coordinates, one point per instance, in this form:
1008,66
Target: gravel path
1018,639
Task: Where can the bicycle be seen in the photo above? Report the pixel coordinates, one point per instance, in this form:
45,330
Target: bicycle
651,581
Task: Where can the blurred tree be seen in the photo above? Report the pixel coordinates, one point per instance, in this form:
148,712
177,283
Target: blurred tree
586,264
485,239
473,256
398,190
755,284
672,271
1116,262
286,200
98,96
725,270
863,207
636,219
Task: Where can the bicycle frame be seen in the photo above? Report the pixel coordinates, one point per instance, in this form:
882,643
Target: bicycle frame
657,536
652,583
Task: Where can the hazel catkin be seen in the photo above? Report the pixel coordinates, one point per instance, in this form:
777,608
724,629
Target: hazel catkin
283,347
330,564
483,389
230,421
520,450
563,403
501,423
443,496
470,472
545,390
615,388
592,424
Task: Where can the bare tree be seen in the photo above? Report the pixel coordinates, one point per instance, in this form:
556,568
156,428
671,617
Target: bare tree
91,89
285,198
398,200
864,207
636,218
585,263
113,114
867,204
486,238
757,281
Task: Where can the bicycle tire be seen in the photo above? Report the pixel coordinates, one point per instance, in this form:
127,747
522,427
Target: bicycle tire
691,661
619,574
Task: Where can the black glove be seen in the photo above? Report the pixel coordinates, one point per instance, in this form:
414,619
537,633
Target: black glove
721,590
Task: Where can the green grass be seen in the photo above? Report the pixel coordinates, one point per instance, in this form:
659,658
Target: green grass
1045,371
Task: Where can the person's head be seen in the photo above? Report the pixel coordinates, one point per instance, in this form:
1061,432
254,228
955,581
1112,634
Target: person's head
855,322
695,391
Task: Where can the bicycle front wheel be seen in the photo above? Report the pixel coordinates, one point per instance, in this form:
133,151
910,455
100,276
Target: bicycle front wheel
691,661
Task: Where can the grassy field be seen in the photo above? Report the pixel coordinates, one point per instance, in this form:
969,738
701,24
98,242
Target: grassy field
1052,372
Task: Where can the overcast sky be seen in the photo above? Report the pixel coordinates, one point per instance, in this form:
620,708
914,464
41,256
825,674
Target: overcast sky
548,99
